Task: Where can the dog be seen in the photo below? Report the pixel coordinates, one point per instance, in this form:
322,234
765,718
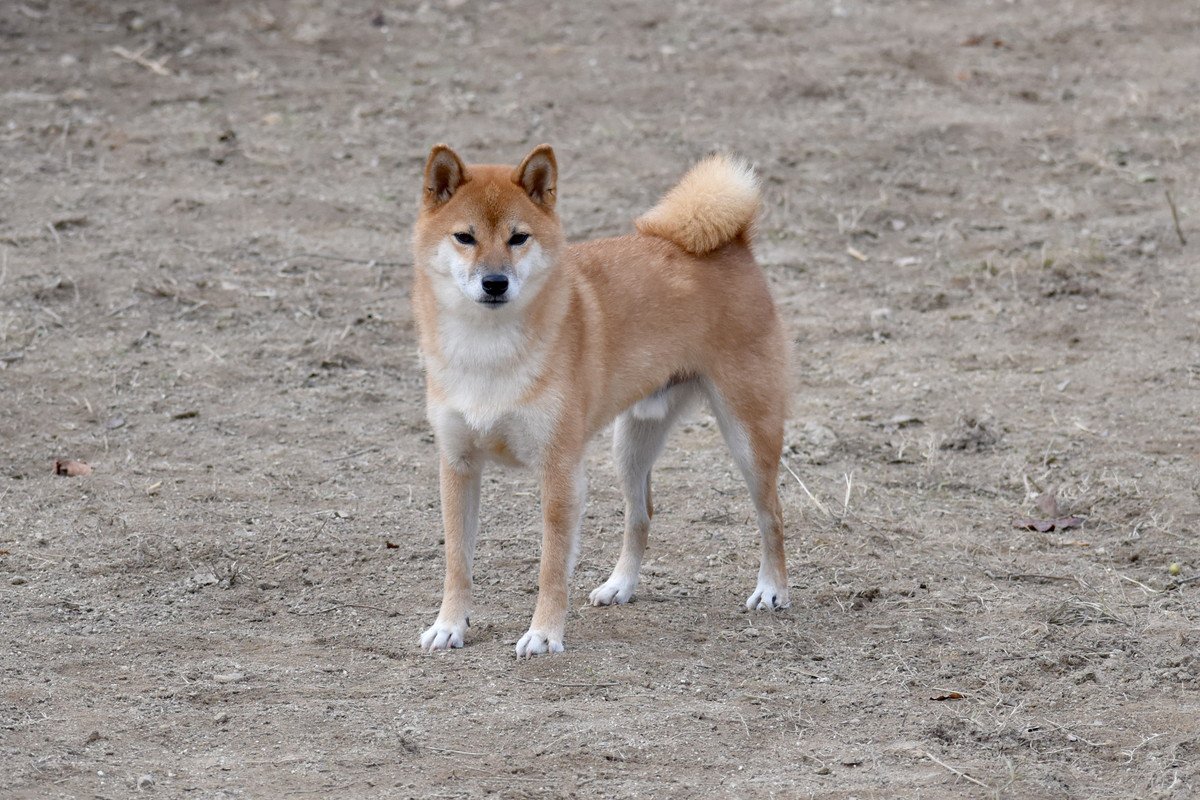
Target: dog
531,345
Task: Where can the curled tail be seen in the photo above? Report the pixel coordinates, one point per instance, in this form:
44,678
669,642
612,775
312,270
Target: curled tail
715,203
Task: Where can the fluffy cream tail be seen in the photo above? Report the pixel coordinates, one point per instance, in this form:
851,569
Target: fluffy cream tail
716,202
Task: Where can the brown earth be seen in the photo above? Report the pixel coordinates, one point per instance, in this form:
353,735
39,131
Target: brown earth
204,295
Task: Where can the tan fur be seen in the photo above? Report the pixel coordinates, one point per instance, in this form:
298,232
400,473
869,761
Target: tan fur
595,328
715,203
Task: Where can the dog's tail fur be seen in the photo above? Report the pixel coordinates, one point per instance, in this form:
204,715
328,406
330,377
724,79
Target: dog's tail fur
715,203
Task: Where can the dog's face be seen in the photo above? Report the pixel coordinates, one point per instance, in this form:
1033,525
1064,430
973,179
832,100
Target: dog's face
487,236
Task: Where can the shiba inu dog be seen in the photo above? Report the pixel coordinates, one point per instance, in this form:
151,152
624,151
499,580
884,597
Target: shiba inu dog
531,346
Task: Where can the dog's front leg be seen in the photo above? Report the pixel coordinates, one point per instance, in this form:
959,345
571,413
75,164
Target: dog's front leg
460,519
564,486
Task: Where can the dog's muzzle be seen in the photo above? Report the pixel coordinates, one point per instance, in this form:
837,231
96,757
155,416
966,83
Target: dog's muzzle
494,287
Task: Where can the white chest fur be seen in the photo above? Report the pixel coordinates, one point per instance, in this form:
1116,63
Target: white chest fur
485,368
486,371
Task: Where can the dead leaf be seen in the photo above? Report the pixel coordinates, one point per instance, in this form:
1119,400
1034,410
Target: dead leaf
972,41
72,469
1047,525
192,414
950,696
390,545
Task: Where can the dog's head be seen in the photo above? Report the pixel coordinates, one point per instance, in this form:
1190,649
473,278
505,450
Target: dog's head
487,236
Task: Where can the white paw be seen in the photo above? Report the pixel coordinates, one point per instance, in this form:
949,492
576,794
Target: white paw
614,591
537,642
443,636
768,597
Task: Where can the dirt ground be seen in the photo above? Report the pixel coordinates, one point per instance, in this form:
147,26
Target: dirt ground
204,277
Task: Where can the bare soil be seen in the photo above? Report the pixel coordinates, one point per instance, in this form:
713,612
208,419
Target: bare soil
204,278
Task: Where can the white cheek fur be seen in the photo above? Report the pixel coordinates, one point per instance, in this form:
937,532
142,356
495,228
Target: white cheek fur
448,260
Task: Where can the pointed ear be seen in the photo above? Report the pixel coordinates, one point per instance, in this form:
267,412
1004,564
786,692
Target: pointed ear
444,173
538,175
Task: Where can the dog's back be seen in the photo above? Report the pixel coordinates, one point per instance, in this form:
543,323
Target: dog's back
684,295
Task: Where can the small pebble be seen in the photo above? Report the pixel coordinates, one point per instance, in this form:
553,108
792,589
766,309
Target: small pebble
221,718
824,771
145,781
229,677
18,580
268,585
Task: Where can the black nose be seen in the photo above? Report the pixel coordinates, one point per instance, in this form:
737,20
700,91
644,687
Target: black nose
495,285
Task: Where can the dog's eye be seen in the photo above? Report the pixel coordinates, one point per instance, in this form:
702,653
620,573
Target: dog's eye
464,238
518,239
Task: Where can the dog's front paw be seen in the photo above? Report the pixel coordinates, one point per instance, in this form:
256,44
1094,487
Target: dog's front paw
536,642
443,636
768,596
614,591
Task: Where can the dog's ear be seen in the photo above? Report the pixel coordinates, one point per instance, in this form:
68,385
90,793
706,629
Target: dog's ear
538,175
444,173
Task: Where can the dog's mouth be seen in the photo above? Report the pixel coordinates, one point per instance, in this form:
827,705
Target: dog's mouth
494,302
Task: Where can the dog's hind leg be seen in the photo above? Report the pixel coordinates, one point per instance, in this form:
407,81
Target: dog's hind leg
638,438
749,403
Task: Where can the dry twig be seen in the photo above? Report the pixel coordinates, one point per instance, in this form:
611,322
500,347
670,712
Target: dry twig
348,456
957,772
820,506
1175,217
1033,576
139,58
560,684
340,606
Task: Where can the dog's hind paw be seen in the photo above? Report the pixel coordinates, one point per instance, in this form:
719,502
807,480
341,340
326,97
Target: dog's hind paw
614,591
537,642
768,597
443,636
